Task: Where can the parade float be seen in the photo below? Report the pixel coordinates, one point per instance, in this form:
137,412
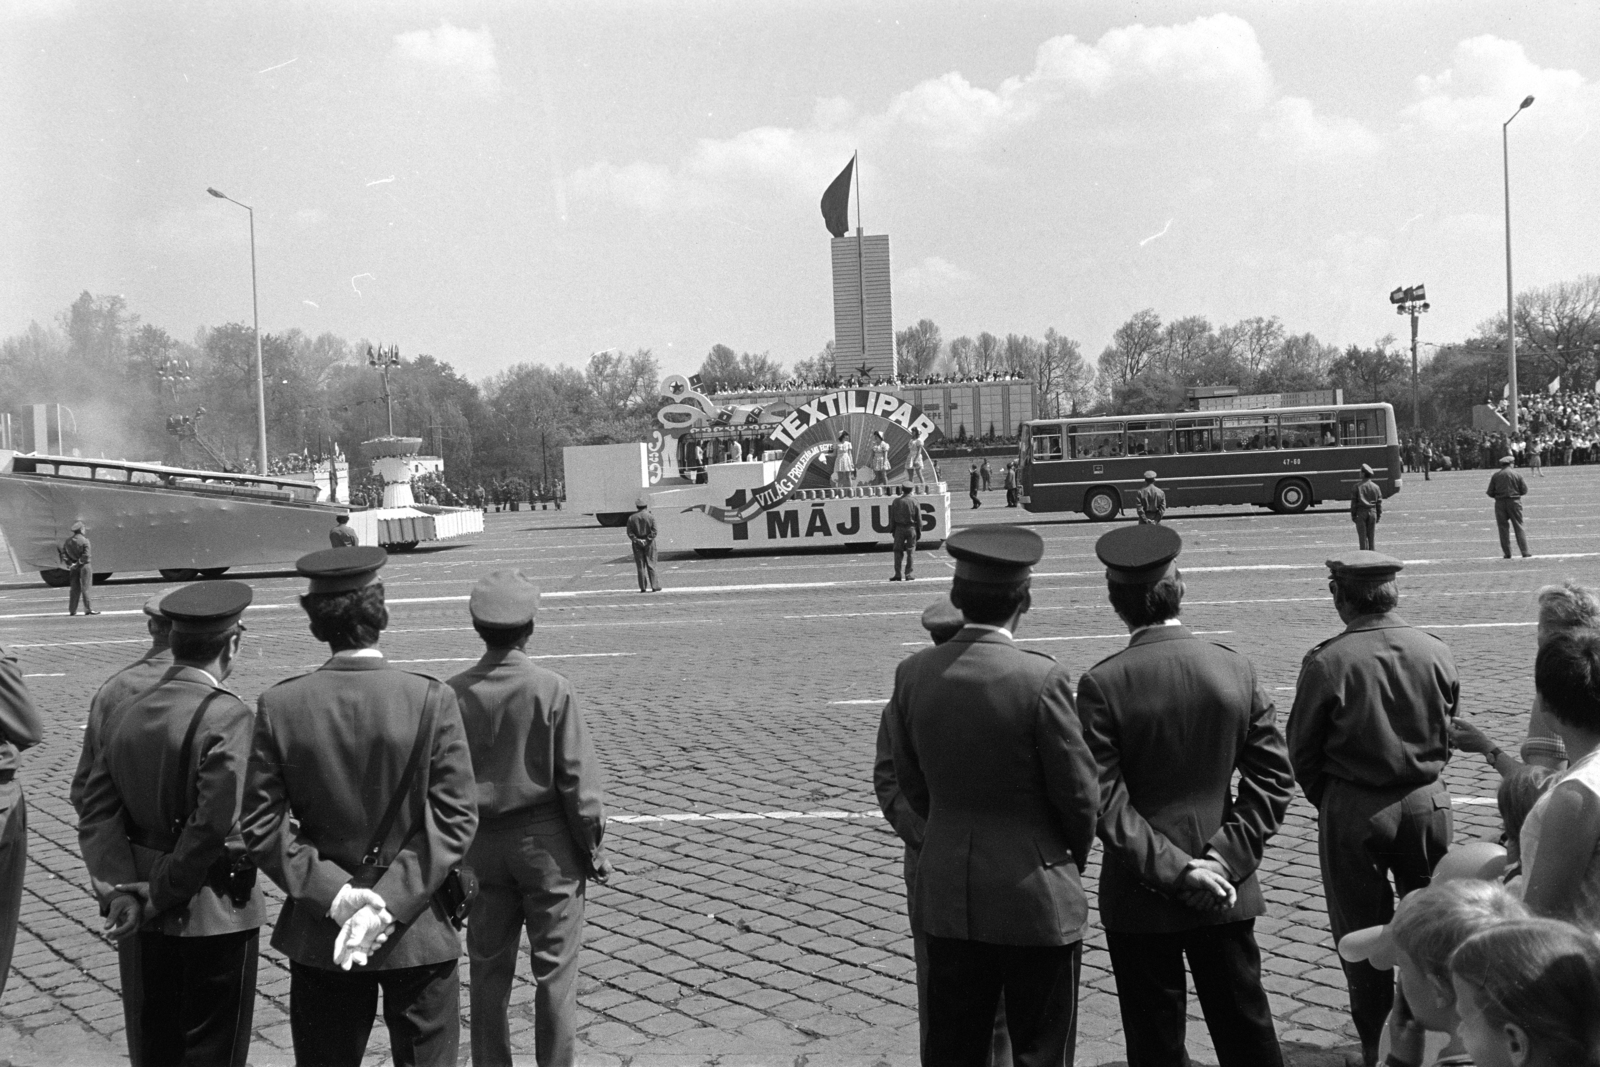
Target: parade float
762,476
185,523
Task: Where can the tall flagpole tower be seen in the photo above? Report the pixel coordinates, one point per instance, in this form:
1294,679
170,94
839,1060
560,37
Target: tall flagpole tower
863,321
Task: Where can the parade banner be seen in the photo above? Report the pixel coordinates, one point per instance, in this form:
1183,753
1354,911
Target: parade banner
770,495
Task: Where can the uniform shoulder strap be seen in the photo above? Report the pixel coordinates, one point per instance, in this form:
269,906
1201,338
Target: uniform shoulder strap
403,787
181,810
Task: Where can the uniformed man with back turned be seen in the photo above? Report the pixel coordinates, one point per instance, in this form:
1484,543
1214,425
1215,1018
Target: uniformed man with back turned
159,832
75,557
1172,720
1366,508
541,818
1151,500
906,521
998,893
129,682
341,536
1507,487
1369,735
334,751
642,536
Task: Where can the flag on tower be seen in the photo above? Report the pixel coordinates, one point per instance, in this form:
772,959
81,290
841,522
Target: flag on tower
1554,387
836,201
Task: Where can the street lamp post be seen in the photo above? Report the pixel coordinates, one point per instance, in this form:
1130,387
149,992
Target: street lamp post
255,317
1511,325
1412,300
383,359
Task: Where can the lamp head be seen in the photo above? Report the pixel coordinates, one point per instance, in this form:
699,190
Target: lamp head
224,196
1528,101
1397,296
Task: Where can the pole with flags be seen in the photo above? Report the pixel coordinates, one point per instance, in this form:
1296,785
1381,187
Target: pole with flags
836,216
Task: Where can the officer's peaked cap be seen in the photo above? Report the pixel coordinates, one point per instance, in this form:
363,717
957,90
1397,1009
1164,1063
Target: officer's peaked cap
206,607
1365,566
1506,461
1138,555
942,617
1149,476
340,570
1367,470
78,527
995,555
643,501
504,598
152,607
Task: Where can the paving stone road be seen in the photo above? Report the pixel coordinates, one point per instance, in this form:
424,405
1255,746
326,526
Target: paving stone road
757,916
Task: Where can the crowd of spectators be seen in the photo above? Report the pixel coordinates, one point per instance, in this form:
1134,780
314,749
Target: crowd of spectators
1555,430
798,383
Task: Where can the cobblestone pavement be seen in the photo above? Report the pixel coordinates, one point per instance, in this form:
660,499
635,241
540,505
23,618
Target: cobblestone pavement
757,916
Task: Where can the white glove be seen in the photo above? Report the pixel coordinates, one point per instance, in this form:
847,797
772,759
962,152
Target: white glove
360,936
351,900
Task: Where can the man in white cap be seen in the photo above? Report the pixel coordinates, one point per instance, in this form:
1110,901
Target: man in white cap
541,818
1366,508
642,536
1151,501
80,569
1507,488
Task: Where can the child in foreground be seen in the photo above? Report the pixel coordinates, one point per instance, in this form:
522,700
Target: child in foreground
1427,928
1528,995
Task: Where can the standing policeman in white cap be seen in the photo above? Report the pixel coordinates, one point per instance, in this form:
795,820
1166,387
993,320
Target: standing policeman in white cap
75,556
1172,719
333,750
541,817
127,683
159,832
1369,735
988,749
1151,500
642,535
1366,508
1507,488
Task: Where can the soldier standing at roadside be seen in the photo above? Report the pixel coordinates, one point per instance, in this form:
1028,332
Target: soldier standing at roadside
541,817
1508,489
1366,508
1368,737
80,569
906,522
1151,501
642,536
159,833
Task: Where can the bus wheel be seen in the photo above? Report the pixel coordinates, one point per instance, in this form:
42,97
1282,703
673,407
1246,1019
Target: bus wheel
1292,497
612,518
55,577
1103,505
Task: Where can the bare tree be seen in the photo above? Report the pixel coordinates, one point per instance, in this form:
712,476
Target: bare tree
1132,348
963,354
917,347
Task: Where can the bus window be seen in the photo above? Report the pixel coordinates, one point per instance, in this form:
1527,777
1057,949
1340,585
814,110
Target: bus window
1249,433
1046,443
1362,427
1197,435
1149,438
1304,429
1101,440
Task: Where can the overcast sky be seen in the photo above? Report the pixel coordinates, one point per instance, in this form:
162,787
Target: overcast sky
500,182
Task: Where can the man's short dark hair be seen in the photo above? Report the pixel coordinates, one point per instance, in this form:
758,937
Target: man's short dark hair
503,637
989,604
199,648
1147,605
352,619
1367,597
1567,675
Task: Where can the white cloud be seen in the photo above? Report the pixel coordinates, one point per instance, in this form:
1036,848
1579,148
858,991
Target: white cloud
1488,77
933,273
1219,54
1294,125
464,56
35,9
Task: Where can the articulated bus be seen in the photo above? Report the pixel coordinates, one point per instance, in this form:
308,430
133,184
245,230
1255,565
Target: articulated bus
1285,459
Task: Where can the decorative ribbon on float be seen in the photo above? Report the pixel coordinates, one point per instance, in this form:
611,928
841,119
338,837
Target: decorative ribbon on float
770,495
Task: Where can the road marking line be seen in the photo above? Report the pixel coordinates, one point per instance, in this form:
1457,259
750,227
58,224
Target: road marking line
64,644
44,675
1474,801
878,701
1471,625
553,655
1096,637
741,816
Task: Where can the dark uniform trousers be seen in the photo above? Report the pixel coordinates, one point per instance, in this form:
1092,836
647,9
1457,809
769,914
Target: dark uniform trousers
331,1013
1226,965
905,550
644,561
1366,522
965,980
81,580
528,876
1365,837
13,864
198,998
1508,518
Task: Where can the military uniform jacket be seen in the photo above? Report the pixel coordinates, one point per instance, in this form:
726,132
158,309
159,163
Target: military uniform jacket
903,513
1367,497
20,726
988,749
342,536
133,784
1171,719
1507,484
329,750
530,748
641,527
1373,707
1152,501
129,682
75,551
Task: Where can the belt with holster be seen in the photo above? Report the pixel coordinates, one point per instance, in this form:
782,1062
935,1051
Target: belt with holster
230,875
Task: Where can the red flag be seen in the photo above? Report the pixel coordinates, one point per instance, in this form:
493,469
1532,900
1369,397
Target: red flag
836,202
